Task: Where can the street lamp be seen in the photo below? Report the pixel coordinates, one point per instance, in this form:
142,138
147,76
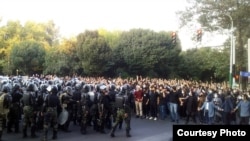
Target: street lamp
232,54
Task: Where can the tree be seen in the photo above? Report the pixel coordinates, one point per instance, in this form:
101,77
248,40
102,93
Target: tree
28,57
93,52
47,33
14,32
111,37
145,52
70,64
222,13
8,36
204,64
52,62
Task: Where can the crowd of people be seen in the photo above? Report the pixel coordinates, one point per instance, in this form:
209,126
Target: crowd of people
40,102
206,103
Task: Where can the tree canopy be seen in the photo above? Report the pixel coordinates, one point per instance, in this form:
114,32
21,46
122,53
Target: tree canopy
38,47
212,15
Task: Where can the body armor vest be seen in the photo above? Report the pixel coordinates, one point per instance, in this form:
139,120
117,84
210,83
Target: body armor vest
91,96
119,100
126,100
27,99
84,99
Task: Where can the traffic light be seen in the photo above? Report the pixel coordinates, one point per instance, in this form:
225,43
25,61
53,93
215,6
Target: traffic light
199,35
236,77
173,37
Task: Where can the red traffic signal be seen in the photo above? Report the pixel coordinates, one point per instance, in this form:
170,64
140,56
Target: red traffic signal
199,31
199,35
173,34
173,37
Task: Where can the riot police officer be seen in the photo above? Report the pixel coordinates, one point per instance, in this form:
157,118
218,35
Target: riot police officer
15,109
123,106
42,93
50,106
77,98
84,109
67,103
112,94
94,113
29,105
109,99
5,101
103,104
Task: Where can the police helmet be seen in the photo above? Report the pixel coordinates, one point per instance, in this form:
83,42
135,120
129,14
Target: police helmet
43,87
15,81
59,87
103,87
86,88
67,89
50,82
98,88
78,86
16,86
54,89
68,83
6,88
112,87
4,82
31,87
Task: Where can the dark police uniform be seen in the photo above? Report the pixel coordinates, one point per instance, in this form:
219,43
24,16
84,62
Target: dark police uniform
42,93
29,105
102,109
67,103
84,111
14,114
5,101
50,113
112,94
94,115
111,113
123,105
76,97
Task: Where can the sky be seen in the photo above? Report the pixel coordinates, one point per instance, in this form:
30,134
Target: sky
75,16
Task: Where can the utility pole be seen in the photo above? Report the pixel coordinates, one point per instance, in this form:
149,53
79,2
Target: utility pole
232,54
248,56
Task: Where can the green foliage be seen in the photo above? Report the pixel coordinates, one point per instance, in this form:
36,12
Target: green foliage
94,53
51,62
34,48
62,60
28,57
204,64
14,33
211,14
111,38
145,52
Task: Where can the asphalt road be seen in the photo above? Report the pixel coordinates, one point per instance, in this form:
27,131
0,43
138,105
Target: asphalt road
141,130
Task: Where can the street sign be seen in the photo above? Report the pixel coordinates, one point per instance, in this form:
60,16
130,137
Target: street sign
244,74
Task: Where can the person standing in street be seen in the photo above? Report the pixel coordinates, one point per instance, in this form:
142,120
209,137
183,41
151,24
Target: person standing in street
191,104
51,105
123,107
29,105
5,102
138,94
